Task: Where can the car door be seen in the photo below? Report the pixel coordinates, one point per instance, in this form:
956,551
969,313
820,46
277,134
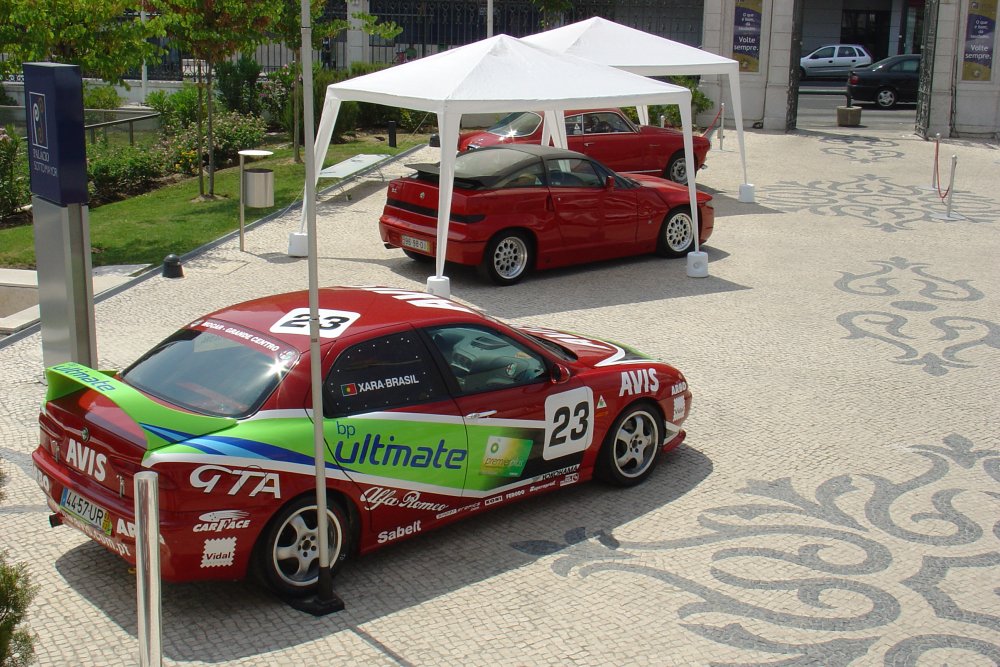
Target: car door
907,78
524,430
821,61
847,57
595,221
392,427
608,138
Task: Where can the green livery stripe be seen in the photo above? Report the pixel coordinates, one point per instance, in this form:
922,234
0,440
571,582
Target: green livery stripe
154,418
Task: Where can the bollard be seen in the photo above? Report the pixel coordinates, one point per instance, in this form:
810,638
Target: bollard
147,565
948,215
172,267
392,134
722,125
663,120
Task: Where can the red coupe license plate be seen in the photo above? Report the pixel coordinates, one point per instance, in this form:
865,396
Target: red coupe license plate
85,510
416,244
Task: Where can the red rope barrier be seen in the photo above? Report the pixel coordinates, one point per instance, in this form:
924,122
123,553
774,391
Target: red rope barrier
937,172
712,124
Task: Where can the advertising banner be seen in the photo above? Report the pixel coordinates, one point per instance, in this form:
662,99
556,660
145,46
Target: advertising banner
746,34
980,36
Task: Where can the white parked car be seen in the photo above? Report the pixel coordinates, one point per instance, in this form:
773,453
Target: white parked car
834,60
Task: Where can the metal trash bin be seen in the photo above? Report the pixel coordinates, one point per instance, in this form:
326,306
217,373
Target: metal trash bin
258,188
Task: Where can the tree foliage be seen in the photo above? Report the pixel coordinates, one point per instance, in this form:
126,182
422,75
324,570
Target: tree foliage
106,38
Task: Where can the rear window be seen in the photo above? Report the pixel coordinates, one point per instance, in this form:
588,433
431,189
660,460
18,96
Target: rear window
214,373
517,124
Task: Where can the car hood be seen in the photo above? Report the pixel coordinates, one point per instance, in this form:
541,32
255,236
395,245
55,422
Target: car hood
668,187
592,352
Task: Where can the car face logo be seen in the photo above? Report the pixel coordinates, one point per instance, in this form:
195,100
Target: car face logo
422,195
85,434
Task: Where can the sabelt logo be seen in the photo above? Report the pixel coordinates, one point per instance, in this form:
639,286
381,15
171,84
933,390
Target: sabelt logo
396,533
218,521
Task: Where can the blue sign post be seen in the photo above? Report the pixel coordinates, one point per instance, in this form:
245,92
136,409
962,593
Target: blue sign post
57,161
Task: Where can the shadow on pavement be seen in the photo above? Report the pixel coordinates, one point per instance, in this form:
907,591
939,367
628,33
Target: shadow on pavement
216,622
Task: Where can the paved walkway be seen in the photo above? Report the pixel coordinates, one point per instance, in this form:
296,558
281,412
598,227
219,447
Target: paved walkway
836,502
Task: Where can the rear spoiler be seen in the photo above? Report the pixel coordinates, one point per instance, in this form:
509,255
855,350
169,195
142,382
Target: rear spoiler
154,418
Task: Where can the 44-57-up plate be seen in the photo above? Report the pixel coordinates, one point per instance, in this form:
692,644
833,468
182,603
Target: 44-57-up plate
86,510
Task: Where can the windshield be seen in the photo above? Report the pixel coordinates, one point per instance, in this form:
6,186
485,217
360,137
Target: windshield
211,373
518,124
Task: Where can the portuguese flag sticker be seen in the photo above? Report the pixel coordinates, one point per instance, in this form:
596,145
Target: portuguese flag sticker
348,389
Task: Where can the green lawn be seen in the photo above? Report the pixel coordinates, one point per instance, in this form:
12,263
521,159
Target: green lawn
146,228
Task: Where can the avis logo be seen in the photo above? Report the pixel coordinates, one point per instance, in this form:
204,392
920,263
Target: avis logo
257,481
86,460
641,381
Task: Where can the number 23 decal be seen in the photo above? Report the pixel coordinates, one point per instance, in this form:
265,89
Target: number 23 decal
569,422
332,323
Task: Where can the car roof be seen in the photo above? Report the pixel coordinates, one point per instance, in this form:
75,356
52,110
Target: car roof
376,308
516,156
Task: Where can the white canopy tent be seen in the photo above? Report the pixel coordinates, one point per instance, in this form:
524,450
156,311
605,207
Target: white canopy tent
639,52
499,74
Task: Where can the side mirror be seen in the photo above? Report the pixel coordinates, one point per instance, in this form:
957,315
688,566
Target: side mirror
559,374
609,183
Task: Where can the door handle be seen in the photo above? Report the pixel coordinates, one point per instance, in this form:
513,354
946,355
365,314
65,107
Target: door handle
588,143
480,415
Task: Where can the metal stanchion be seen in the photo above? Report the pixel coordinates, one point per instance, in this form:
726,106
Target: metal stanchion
948,215
663,120
722,125
147,565
934,165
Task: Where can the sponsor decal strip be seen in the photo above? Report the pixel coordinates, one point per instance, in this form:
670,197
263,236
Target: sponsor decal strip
448,419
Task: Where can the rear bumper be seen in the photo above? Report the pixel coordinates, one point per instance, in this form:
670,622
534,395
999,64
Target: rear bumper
460,250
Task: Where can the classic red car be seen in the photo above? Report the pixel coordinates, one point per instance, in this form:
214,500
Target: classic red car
521,207
433,412
605,135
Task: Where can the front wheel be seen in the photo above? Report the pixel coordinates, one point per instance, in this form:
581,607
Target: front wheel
508,258
676,169
676,236
287,556
886,98
628,454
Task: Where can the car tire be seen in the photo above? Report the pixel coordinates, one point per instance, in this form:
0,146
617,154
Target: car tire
886,98
417,257
676,169
286,557
676,236
802,74
631,446
508,258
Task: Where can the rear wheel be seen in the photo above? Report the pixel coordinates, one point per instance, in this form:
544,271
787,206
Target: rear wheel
676,169
417,257
287,555
628,454
676,237
886,98
508,258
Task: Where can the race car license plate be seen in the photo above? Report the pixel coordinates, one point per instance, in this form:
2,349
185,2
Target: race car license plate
85,510
416,244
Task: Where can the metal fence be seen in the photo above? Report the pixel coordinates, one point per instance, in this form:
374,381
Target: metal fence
117,126
430,26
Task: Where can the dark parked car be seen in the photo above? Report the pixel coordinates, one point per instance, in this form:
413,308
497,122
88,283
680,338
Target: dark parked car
887,82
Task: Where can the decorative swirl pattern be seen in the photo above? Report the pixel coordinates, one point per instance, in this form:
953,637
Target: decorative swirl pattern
821,583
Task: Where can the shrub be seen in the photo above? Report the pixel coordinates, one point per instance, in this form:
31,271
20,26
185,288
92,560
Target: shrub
237,85
178,109
118,171
275,91
5,99
13,173
699,102
17,646
101,97
232,133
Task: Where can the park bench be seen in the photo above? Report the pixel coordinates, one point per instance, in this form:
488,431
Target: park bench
358,165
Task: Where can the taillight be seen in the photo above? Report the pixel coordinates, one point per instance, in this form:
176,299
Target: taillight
853,80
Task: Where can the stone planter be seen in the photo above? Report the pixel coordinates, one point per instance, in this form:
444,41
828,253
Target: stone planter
848,116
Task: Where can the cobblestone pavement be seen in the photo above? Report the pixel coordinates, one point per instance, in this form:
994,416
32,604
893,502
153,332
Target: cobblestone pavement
836,501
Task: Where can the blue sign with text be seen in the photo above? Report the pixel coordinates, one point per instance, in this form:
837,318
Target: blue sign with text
57,152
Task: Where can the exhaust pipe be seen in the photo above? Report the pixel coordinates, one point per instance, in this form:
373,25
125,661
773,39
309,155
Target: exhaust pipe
55,520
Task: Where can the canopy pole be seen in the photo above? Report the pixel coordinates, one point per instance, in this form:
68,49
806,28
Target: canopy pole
697,261
747,195
325,600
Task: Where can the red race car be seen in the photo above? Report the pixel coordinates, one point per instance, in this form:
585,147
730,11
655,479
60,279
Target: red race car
521,207
605,135
432,412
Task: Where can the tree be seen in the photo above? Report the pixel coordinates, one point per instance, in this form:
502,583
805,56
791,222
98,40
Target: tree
104,37
288,29
213,30
552,11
